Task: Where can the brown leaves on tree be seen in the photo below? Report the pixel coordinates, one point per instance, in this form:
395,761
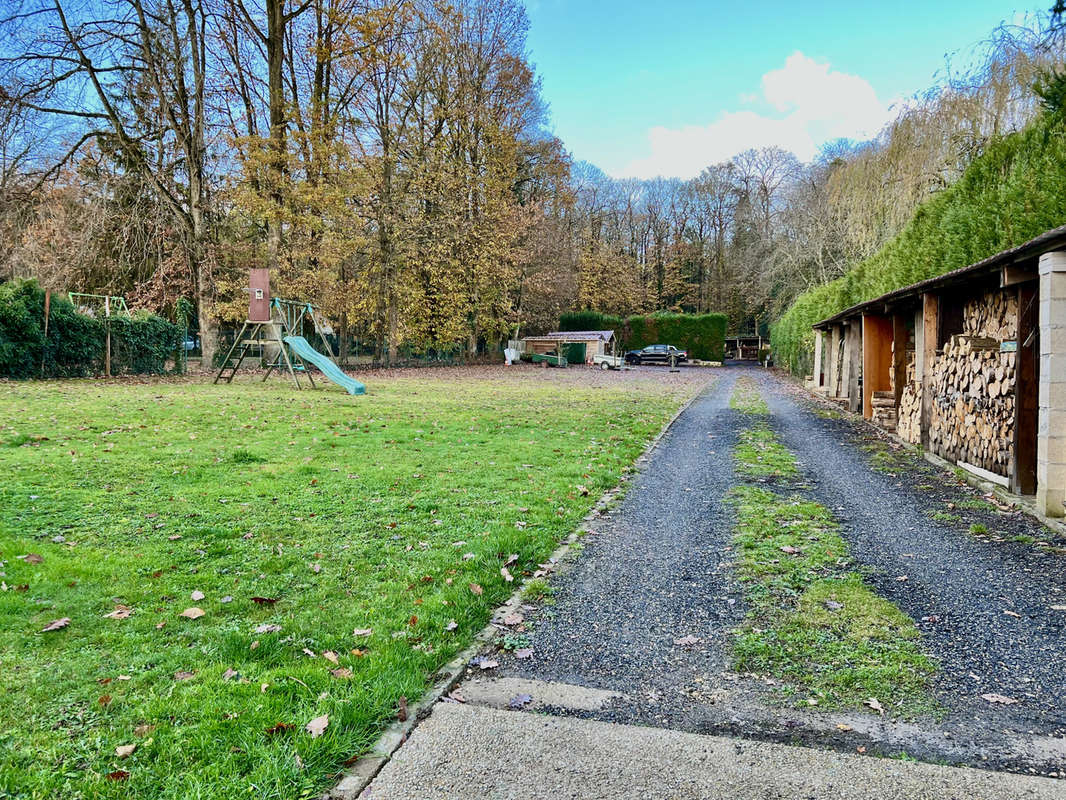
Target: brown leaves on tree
56,625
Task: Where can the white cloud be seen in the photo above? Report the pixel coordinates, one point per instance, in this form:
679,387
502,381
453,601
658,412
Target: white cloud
806,102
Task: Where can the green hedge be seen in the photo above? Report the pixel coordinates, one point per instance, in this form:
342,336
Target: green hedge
702,335
1014,191
76,342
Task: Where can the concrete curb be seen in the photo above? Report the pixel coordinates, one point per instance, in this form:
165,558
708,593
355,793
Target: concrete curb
357,777
1023,503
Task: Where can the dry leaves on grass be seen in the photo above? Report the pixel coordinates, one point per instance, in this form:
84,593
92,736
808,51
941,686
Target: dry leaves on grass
197,595
506,573
120,612
192,613
330,656
317,726
125,750
268,627
998,698
31,558
56,625
362,631
476,589
183,675
875,704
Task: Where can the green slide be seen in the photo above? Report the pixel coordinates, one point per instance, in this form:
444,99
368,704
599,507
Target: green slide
300,346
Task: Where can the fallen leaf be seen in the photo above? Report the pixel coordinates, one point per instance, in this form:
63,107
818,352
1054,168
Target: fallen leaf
789,549
523,653
412,621
1013,614
362,631
842,727
56,625
316,568
192,613
229,674
507,576
520,700
341,672
125,678
476,589
873,703
125,750
902,578
485,663
118,775
317,726
183,675
513,619
833,605
451,626
226,599
267,627
511,559
254,645
401,710
457,696
143,730
120,612
264,601
998,698
281,727
860,749
32,558
197,595
104,700
175,537
330,656
583,490
307,652
688,641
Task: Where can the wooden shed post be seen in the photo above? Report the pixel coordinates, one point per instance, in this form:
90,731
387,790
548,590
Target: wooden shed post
853,363
1026,411
833,389
876,359
900,340
817,370
929,342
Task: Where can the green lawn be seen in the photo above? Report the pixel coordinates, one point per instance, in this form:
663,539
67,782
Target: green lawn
392,512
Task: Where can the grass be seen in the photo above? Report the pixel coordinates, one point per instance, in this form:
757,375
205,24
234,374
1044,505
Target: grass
945,517
758,454
391,512
813,622
747,399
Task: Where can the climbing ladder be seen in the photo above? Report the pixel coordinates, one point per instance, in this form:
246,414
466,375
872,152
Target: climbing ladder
256,334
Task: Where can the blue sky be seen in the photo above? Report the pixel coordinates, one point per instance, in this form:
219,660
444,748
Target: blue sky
669,86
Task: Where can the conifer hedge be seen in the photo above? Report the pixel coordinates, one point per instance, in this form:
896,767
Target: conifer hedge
75,345
701,335
1013,192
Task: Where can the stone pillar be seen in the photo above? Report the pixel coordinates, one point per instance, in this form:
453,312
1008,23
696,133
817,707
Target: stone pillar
1051,422
818,335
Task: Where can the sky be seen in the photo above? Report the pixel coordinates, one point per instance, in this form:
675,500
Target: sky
642,88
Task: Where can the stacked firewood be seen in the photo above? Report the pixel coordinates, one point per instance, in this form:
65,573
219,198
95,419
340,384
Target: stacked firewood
994,315
909,414
973,403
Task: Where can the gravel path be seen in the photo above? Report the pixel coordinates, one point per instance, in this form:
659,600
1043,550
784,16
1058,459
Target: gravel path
658,568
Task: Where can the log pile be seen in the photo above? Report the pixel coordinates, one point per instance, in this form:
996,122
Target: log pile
909,415
994,315
883,405
973,401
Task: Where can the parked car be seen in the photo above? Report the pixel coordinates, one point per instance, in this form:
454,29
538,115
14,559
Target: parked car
656,354
607,362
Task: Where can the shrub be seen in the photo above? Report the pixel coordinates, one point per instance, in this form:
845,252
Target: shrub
702,335
75,344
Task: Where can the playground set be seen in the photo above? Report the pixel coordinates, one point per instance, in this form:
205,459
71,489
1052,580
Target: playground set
274,322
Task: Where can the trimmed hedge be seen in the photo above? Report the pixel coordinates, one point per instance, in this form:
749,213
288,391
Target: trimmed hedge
702,335
1013,192
76,342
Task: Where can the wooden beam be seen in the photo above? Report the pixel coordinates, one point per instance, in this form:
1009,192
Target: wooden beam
818,336
1026,391
900,340
1013,274
876,359
930,325
854,356
833,386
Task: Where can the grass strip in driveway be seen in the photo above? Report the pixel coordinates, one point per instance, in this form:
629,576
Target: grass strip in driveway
813,623
340,549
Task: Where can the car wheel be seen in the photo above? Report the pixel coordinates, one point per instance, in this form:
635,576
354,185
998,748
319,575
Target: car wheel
604,365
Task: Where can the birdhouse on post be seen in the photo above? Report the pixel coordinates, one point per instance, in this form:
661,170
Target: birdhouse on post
259,295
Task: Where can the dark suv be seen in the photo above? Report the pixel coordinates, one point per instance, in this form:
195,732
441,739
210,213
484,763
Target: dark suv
656,354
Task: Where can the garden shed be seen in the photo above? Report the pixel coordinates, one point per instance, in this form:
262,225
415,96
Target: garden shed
578,346
971,365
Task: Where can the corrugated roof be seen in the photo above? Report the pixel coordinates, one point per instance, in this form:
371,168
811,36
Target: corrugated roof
576,335
1045,242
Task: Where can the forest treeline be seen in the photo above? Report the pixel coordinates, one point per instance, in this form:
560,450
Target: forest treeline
392,161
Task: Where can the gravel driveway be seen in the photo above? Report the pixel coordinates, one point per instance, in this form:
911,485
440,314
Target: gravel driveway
658,568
